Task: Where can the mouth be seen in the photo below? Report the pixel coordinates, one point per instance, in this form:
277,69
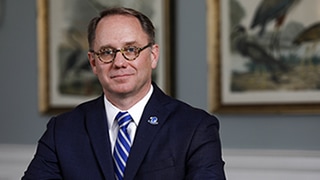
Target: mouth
120,76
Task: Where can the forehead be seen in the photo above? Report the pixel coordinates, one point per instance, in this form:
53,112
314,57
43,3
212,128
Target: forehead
116,29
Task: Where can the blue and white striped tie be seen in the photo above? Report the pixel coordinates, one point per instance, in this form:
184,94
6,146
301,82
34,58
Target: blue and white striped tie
122,145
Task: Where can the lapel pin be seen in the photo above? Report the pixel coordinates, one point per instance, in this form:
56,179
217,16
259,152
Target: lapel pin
153,120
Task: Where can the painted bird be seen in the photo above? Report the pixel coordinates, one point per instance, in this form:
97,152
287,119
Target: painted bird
311,36
257,54
269,10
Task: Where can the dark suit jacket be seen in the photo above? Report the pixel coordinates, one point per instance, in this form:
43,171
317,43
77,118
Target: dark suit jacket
185,144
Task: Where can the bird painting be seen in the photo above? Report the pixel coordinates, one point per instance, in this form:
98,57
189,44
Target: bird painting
250,61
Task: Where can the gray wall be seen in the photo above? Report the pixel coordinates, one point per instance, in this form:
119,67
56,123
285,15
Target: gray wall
21,122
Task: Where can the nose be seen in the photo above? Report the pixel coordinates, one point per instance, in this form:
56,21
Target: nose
119,61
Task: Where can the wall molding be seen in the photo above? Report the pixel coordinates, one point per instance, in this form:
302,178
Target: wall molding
271,164
14,160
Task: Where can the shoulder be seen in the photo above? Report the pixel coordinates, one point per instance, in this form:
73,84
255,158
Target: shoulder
179,109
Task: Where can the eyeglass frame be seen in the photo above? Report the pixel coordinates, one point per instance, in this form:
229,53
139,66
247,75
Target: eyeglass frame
121,50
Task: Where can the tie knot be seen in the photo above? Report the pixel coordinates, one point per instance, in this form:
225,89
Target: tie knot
123,119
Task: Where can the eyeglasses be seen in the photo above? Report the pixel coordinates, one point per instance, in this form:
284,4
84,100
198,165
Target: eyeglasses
130,53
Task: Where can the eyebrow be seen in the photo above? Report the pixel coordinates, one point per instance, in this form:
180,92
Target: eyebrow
112,47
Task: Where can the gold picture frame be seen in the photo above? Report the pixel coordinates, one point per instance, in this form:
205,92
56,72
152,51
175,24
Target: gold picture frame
56,21
305,102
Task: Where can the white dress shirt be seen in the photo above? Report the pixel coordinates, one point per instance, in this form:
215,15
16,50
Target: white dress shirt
135,111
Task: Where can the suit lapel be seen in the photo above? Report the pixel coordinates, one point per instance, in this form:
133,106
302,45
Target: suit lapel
146,131
98,133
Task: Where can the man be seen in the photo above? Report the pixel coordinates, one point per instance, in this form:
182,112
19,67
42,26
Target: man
162,138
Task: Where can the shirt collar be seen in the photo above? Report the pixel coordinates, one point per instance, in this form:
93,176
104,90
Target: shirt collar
135,111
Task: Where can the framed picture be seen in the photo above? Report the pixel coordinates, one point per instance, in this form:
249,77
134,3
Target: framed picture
263,56
65,76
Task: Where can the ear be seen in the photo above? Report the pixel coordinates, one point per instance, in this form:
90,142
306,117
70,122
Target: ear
92,62
155,55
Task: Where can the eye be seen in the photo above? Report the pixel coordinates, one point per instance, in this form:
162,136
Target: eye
130,49
106,52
